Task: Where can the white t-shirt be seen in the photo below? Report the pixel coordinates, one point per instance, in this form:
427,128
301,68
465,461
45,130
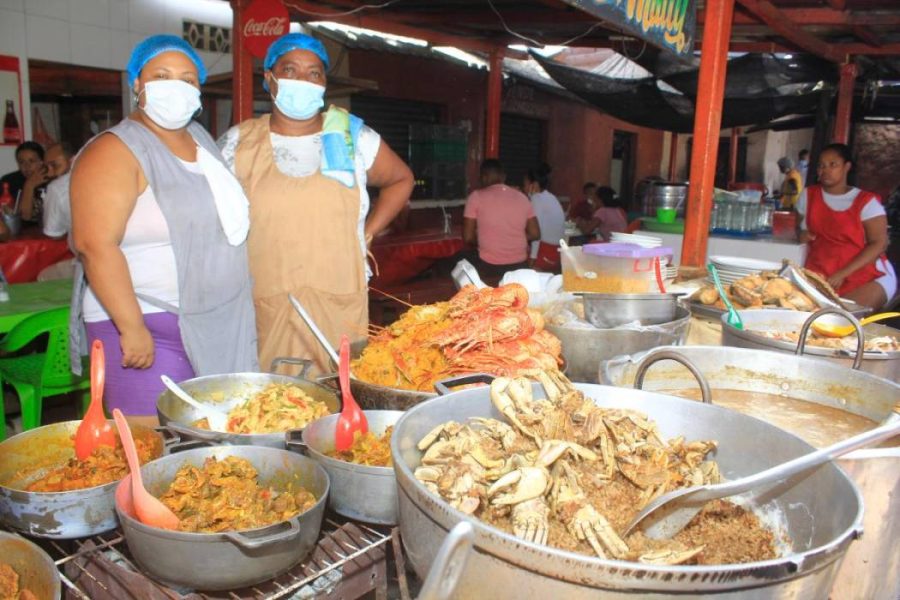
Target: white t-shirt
57,211
147,246
550,217
840,203
300,156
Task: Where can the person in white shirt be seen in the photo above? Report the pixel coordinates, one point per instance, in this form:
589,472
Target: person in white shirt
57,218
544,255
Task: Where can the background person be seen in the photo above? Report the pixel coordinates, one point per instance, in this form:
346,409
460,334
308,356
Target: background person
29,158
305,172
803,165
792,185
583,208
544,254
160,225
500,221
846,229
57,218
608,216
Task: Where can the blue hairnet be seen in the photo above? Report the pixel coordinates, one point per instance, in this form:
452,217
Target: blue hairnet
294,41
154,46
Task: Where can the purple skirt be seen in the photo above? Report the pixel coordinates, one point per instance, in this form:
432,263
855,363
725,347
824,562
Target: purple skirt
134,391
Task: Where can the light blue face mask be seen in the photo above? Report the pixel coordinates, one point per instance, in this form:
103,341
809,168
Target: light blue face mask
299,99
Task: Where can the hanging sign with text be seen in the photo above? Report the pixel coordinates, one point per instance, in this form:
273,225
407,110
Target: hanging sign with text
264,22
669,24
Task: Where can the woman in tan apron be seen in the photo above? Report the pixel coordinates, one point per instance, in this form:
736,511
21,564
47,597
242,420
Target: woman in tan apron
306,232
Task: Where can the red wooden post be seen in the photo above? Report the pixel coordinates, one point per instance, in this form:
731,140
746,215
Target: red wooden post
707,120
242,69
841,133
673,156
494,98
733,154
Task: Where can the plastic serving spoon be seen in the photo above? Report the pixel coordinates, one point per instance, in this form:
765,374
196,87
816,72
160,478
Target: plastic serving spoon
840,331
734,319
352,418
670,513
94,429
218,421
316,331
149,509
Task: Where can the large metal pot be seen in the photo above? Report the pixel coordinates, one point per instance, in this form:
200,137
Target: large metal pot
37,572
221,561
57,515
519,570
583,349
871,568
225,392
359,492
882,364
378,397
613,310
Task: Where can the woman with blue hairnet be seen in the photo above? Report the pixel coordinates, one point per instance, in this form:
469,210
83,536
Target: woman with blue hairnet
305,172
160,224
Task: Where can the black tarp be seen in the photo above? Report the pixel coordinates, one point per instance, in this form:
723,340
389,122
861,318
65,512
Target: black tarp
758,89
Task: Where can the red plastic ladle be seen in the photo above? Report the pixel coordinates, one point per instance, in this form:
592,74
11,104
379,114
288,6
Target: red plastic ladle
94,429
352,418
148,508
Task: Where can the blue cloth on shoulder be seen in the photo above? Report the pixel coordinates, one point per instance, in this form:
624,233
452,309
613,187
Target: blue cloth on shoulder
340,133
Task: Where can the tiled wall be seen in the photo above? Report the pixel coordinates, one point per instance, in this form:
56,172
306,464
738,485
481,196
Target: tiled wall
95,33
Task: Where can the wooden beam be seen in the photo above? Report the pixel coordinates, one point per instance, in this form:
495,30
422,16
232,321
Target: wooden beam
819,16
306,11
839,5
242,84
707,124
494,101
789,30
866,35
841,133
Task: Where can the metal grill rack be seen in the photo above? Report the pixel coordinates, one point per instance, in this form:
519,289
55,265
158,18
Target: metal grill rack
348,562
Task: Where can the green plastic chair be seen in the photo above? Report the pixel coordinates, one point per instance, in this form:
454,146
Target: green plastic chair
37,375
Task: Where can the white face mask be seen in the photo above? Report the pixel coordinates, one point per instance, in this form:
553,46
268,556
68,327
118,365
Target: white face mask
170,103
299,99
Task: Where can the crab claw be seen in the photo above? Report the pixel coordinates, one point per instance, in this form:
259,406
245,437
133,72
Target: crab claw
669,557
530,520
527,483
552,450
589,525
507,395
448,429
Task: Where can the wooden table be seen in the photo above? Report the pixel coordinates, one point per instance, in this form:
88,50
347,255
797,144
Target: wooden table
26,299
400,257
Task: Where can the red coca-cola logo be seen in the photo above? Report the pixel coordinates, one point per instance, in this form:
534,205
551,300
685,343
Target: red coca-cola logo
264,22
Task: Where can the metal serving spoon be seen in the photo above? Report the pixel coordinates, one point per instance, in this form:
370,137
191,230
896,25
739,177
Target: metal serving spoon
670,513
315,329
218,420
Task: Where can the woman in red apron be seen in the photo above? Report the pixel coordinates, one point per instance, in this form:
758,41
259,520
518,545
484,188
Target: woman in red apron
846,229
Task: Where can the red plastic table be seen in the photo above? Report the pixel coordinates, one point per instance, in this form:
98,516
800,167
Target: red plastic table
400,257
26,256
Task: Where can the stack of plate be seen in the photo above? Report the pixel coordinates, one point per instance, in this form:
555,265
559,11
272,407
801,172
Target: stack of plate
647,241
732,268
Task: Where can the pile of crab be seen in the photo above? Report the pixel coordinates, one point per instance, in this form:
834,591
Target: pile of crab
564,471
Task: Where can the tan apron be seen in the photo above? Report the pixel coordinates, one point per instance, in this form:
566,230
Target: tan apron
303,240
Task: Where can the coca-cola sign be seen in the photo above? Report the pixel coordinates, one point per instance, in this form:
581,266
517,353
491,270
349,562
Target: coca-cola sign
264,21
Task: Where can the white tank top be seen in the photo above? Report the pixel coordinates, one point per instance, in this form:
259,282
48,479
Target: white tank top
147,247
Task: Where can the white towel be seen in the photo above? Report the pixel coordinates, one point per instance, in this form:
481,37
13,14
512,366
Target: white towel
231,203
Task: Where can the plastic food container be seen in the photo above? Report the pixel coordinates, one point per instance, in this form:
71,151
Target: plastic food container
614,269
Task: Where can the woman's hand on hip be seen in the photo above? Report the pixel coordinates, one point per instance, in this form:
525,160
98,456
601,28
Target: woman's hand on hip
137,348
